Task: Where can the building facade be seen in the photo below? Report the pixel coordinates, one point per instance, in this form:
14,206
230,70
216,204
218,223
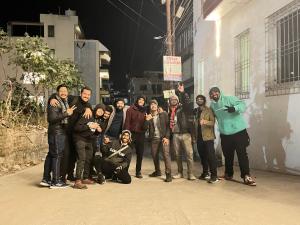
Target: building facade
250,48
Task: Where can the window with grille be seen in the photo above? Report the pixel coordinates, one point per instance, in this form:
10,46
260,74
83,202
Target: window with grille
51,31
283,50
242,65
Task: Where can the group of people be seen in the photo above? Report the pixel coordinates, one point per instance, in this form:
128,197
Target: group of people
99,142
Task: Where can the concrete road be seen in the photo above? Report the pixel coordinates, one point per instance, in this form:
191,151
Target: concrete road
276,200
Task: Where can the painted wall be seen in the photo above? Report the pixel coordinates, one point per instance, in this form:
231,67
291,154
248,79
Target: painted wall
273,125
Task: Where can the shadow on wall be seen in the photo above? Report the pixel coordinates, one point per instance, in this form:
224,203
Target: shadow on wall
268,129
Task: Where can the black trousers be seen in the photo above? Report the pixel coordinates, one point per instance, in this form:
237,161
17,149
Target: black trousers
107,168
85,155
236,142
208,158
138,143
70,157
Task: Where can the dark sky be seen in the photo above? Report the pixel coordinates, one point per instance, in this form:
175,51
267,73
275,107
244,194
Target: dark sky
132,46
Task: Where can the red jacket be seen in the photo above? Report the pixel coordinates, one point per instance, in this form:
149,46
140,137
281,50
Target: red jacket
135,118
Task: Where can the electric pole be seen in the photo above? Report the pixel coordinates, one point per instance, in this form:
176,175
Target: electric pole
169,28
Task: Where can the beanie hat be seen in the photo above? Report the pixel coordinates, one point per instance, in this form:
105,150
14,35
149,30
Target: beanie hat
153,101
128,132
174,97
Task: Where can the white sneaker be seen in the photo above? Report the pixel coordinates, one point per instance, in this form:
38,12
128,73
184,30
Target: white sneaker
177,176
191,177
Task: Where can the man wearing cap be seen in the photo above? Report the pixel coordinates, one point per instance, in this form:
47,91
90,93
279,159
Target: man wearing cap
181,125
134,122
234,137
159,134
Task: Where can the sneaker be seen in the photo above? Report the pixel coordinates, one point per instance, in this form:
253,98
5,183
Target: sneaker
45,183
213,180
101,179
178,175
88,181
59,185
204,176
191,177
139,175
249,181
155,174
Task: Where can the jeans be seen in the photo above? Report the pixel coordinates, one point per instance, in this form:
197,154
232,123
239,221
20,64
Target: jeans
208,158
85,155
156,143
183,142
236,142
52,164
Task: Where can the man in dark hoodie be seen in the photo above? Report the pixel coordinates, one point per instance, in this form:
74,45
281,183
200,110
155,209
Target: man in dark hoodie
116,157
135,117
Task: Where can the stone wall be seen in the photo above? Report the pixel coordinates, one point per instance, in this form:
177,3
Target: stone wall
21,148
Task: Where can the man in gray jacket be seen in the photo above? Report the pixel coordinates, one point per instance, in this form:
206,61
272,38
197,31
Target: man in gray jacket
159,134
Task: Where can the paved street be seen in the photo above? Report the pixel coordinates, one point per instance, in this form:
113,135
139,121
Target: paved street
276,200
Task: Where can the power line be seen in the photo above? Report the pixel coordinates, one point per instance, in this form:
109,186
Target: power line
141,16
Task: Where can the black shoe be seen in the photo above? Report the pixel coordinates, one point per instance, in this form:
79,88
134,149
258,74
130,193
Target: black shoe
168,177
138,175
155,174
59,185
204,176
71,178
213,180
101,178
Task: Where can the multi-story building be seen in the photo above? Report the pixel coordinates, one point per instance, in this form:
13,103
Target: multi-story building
184,42
250,48
150,85
64,36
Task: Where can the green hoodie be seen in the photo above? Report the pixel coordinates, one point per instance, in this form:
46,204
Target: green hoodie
229,123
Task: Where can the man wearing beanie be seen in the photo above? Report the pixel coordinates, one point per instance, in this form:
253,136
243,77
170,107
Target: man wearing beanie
181,125
134,122
234,137
159,134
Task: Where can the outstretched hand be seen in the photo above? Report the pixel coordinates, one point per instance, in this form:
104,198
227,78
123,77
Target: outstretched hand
229,109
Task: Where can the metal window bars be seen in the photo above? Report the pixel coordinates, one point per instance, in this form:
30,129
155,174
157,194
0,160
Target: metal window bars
242,65
283,51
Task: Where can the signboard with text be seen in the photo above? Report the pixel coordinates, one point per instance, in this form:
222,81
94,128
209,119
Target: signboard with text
172,68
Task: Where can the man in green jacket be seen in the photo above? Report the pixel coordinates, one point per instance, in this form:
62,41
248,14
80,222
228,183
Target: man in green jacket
234,137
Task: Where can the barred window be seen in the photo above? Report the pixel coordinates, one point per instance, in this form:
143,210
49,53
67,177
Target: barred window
242,65
282,50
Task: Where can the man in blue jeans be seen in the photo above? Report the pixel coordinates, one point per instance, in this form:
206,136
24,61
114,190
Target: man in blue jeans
58,121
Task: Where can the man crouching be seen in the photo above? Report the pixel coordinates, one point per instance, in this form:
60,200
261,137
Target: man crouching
116,157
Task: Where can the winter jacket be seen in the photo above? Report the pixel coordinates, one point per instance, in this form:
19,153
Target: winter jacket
55,117
135,118
112,116
229,123
163,126
207,130
82,130
121,159
184,114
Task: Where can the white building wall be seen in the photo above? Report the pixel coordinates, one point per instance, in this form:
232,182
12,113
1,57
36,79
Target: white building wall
64,28
273,125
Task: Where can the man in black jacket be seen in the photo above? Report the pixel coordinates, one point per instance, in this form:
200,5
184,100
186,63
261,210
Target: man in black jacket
116,158
58,119
181,125
159,134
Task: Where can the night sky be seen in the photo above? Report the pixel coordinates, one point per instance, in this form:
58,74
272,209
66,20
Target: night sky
130,40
